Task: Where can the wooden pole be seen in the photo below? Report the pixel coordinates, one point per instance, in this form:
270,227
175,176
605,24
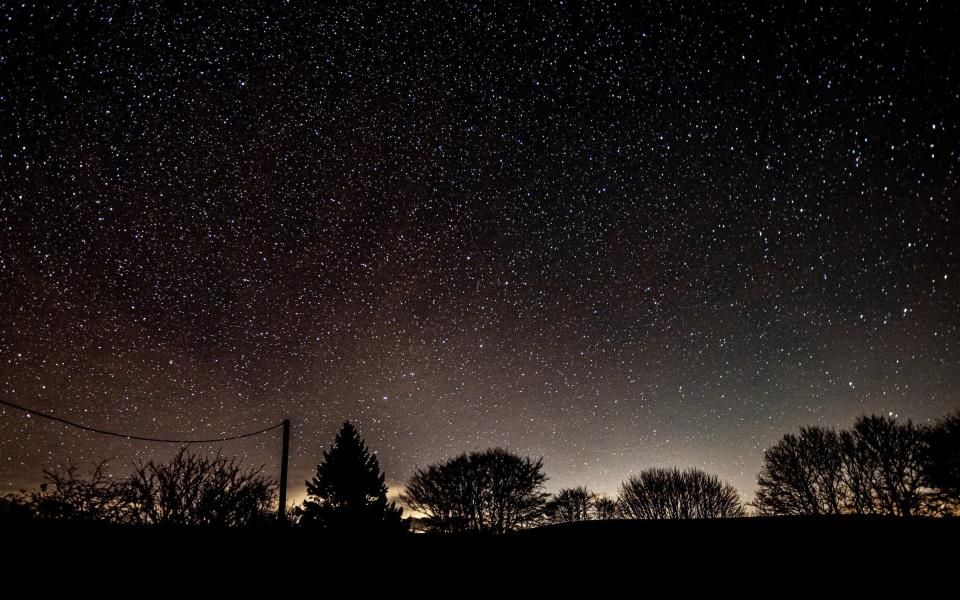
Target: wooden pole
284,460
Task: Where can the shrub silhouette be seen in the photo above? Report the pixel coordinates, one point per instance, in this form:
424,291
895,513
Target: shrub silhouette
15,509
190,490
68,496
193,490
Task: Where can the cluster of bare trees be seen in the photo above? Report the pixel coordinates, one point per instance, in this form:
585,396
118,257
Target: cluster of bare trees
484,492
879,466
190,490
570,505
652,494
496,491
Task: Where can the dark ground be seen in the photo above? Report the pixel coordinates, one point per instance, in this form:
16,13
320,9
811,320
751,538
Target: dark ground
742,552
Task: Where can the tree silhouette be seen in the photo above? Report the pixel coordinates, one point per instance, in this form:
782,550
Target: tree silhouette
348,491
884,466
604,508
879,466
570,505
493,491
804,475
195,490
674,494
942,463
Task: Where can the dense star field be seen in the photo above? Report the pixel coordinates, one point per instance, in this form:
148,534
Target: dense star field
617,236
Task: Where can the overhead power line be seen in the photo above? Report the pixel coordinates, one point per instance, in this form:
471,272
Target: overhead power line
30,411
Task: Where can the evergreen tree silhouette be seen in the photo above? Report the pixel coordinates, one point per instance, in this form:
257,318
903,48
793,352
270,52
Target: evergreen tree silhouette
348,492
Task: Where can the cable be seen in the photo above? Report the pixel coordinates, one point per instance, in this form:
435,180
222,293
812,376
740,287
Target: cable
135,437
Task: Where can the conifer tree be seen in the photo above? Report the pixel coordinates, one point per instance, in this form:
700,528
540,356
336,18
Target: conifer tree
348,491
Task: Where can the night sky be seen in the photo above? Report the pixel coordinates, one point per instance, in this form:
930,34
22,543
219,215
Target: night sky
617,236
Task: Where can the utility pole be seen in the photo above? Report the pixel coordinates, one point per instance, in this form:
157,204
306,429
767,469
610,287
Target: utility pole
284,460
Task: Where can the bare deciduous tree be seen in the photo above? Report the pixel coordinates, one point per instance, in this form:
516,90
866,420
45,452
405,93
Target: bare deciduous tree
570,505
674,494
884,466
492,492
803,475
604,508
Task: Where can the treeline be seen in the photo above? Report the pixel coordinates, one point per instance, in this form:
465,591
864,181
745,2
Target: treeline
879,466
